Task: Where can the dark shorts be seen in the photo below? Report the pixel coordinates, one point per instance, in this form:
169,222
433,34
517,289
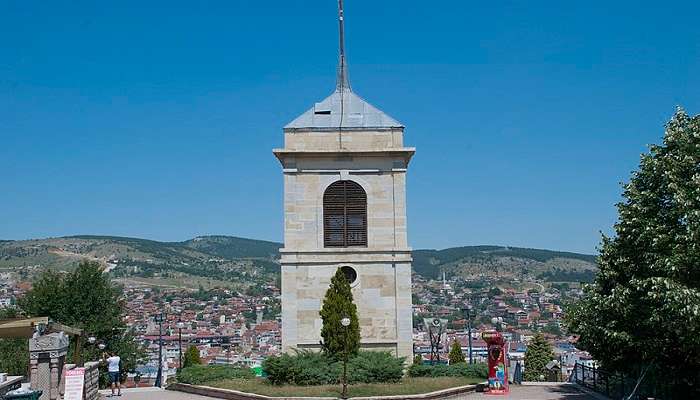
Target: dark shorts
113,377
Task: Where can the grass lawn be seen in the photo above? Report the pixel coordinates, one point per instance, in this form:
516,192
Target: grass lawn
406,386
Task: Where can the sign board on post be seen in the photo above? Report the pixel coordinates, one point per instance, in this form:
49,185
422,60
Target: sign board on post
75,383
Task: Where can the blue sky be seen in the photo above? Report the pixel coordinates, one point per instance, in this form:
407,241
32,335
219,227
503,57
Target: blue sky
157,119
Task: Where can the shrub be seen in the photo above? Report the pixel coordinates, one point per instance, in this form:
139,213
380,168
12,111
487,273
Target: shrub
199,374
465,370
307,368
375,366
303,368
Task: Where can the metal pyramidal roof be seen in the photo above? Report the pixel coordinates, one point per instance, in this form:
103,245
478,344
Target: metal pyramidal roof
343,108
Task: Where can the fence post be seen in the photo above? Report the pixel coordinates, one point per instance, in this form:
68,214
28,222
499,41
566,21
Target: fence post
595,380
622,379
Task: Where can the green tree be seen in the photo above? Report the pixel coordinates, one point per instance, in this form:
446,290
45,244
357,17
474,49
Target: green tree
85,298
456,356
417,359
644,306
191,357
14,353
338,304
538,354
552,328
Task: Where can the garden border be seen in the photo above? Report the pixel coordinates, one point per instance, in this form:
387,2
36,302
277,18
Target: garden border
230,394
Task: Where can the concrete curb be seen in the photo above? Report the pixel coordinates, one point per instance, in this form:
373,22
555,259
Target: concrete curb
230,394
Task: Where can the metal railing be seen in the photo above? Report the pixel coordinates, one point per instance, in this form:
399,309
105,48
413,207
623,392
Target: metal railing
618,386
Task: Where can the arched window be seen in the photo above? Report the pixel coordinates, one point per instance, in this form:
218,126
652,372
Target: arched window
344,215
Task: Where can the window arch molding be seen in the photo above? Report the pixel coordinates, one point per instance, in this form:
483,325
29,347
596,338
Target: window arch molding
344,214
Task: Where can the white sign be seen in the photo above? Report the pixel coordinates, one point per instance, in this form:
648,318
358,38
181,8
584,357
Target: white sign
75,383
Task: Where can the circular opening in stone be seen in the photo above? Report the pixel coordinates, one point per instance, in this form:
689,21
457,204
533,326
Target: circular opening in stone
350,274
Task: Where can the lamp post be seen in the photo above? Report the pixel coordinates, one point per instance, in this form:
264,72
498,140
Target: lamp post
159,378
467,312
180,325
345,322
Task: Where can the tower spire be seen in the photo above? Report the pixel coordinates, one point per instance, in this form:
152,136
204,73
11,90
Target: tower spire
342,82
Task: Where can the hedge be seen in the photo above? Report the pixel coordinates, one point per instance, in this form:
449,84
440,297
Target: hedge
199,374
312,368
479,370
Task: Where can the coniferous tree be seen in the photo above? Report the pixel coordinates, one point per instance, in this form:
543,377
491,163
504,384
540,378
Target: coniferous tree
191,357
644,308
538,354
338,304
456,356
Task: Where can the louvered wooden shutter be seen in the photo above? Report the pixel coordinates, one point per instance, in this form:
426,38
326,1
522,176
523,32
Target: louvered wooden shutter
344,215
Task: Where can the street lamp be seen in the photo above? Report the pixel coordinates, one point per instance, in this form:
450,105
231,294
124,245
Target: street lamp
159,318
346,323
467,312
498,323
179,326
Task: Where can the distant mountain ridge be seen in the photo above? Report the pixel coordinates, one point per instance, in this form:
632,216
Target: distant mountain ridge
197,254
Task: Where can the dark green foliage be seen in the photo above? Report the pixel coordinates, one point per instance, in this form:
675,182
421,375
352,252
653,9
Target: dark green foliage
559,275
85,298
417,359
302,368
338,304
539,353
314,368
199,374
427,262
456,356
191,357
465,370
14,353
234,247
375,366
643,309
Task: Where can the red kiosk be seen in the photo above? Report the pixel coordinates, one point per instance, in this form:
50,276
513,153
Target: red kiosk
498,368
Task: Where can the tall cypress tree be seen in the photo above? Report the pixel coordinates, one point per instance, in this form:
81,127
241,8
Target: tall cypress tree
338,304
456,356
644,308
538,354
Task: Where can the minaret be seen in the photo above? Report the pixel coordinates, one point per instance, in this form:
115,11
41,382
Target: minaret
344,167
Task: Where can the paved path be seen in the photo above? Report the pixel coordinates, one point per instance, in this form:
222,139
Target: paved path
538,392
152,394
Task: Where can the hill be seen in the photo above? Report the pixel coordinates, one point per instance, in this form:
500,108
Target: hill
234,259
505,261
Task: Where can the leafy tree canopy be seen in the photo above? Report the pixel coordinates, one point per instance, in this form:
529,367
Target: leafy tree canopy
644,307
14,353
85,298
338,304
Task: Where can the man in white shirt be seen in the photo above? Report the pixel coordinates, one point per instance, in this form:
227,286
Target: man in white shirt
113,370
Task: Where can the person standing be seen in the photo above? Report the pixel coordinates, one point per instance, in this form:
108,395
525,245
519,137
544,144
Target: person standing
113,370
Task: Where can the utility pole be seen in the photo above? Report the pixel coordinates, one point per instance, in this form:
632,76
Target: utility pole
159,378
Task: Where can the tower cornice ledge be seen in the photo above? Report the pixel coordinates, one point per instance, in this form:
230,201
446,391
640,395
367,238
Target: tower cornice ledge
405,152
343,255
